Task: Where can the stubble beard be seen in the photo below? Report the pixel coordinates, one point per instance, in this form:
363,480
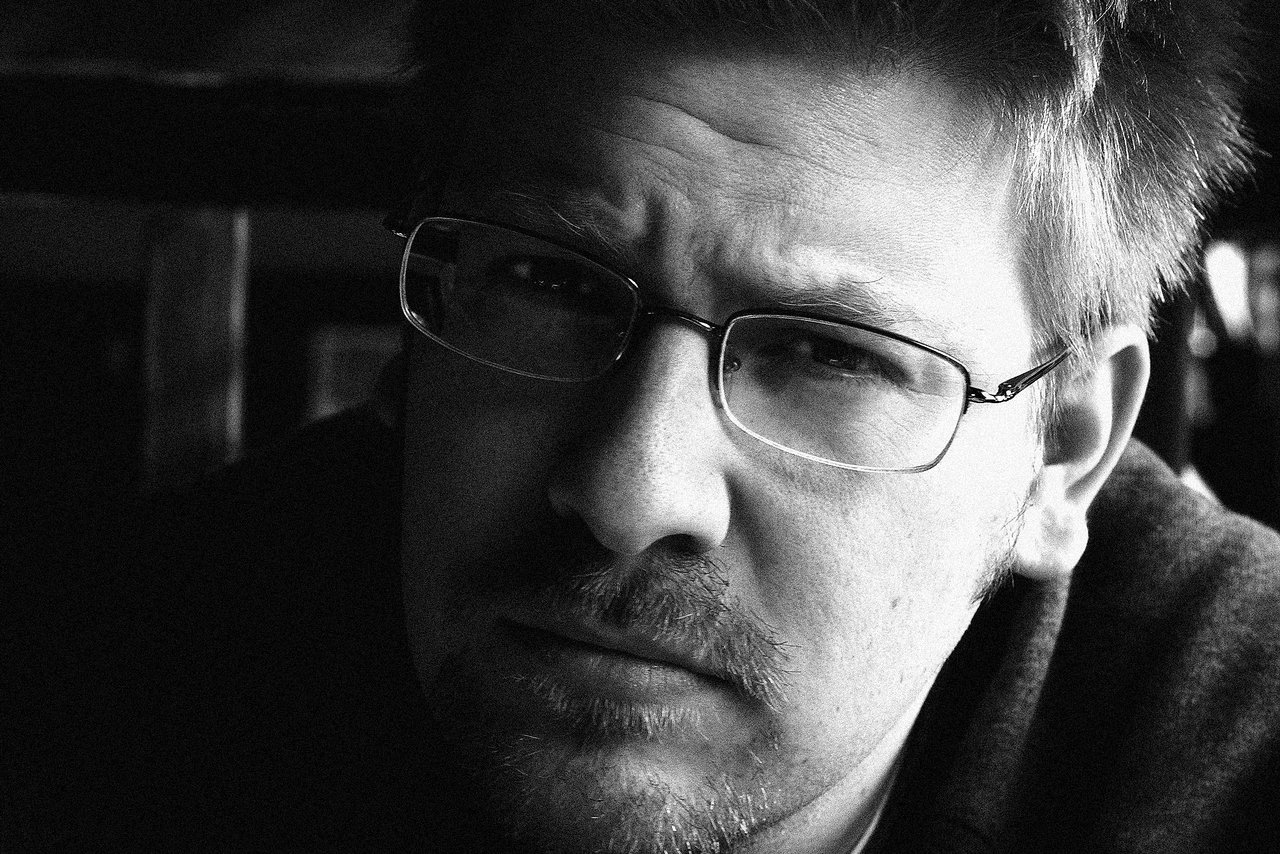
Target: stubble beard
573,792
579,780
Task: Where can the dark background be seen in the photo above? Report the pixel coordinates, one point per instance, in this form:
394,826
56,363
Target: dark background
191,250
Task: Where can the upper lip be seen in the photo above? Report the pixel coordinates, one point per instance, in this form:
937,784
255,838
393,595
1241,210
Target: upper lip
667,651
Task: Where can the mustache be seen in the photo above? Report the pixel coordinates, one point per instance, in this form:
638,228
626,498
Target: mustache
669,593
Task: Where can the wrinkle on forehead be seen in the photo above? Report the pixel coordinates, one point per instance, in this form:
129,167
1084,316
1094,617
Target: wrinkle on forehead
735,131
557,43
833,110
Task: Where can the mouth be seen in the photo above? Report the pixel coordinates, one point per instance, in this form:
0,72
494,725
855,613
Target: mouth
629,644
605,662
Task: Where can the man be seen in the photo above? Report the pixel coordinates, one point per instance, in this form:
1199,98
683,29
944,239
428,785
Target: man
685,544
773,359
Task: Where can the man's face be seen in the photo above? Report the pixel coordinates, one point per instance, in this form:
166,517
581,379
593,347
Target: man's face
638,625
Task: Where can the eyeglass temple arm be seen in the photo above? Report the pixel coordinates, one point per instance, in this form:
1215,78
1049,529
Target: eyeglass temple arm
400,220
1011,387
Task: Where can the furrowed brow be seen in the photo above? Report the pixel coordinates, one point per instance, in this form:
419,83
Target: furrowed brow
549,201
853,300
557,210
847,301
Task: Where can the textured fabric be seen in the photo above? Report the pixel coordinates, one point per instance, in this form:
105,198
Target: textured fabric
1135,710
227,670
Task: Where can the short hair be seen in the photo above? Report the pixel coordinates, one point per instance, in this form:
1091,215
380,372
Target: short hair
1123,116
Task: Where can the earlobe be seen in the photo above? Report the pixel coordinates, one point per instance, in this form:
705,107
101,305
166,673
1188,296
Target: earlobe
1094,419
1052,539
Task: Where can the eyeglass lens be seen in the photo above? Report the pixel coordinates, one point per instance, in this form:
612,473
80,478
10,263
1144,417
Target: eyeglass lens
516,302
830,391
840,393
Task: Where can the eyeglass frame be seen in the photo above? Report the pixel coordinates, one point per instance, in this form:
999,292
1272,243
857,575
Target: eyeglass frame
645,312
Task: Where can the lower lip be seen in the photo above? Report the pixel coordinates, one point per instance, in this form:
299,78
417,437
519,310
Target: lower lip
601,671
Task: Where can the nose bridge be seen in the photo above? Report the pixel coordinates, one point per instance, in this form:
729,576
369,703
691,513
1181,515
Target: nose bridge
650,463
712,333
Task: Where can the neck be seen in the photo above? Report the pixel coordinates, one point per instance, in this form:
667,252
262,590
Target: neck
837,821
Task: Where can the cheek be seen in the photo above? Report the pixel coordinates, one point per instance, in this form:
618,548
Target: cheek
835,540
476,455
871,579
878,579
478,446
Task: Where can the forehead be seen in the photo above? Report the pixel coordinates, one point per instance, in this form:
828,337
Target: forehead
750,168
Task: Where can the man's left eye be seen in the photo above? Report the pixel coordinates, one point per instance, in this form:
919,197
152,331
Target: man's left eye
846,357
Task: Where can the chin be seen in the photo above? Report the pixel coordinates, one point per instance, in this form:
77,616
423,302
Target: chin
569,787
620,800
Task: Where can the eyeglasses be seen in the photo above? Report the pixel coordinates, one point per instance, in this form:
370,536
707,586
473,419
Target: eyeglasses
833,391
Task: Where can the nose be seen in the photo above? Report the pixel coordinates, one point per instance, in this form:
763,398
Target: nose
651,461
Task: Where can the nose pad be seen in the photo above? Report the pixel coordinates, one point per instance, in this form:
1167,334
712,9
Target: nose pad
650,465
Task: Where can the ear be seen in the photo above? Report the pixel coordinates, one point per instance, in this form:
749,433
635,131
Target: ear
1094,420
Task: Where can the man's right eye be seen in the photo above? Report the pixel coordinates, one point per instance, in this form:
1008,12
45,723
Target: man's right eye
560,276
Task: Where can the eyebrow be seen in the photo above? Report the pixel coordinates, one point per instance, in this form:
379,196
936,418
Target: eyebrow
849,300
543,203
844,300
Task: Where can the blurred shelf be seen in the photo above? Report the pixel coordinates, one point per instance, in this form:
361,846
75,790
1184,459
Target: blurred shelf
207,139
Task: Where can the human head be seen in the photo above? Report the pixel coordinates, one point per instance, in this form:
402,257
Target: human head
555,536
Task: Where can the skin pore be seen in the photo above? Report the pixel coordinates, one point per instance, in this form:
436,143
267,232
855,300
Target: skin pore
640,629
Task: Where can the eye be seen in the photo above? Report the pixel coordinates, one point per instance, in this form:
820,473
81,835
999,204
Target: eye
845,357
560,276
